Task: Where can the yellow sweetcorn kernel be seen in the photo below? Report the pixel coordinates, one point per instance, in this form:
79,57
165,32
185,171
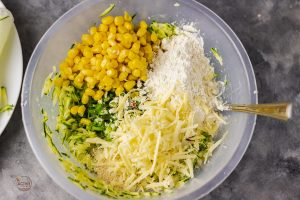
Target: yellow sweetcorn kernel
70,61
112,43
135,37
66,71
75,68
129,85
132,55
74,110
112,73
136,73
111,36
143,41
127,60
112,29
63,65
141,32
93,30
97,64
119,20
97,37
93,61
89,92
76,59
148,48
123,54
123,68
126,45
105,62
81,110
123,76
148,37
122,29
87,39
85,121
98,95
141,53
116,83
85,60
108,20
105,45
144,77
103,28
71,77
119,37
100,75
132,78
127,17
134,64
128,38
87,72
58,81
136,47
119,90
73,52
108,88
143,25
78,84
113,52
107,81
91,82
66,83
112,64
84,99
128,26
87,52
154,37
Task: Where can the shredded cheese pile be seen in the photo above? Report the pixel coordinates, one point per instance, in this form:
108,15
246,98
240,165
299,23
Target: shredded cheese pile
155,150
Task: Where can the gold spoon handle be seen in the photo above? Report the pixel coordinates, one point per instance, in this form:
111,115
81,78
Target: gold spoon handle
281,111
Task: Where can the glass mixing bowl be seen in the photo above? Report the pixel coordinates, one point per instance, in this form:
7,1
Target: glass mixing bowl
54,45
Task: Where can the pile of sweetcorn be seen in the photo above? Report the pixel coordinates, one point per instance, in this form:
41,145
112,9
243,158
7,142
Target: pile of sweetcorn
111,57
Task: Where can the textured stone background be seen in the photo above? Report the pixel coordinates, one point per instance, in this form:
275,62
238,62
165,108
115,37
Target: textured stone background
270,169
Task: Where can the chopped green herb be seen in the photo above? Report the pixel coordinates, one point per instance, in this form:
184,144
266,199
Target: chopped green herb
217,55
106,11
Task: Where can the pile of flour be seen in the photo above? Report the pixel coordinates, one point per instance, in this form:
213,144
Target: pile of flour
182,60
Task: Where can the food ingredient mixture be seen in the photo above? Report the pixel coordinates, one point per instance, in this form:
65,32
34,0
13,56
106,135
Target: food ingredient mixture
136,107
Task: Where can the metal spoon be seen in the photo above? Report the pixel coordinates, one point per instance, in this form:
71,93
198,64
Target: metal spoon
282,111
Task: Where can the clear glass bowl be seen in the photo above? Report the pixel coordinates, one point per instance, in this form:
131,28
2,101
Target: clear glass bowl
237,68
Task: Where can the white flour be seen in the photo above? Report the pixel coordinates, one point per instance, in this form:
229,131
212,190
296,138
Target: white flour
183,60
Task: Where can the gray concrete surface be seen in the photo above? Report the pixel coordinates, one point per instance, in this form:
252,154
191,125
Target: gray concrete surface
270,169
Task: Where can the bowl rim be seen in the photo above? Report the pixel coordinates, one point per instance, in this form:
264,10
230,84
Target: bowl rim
198,193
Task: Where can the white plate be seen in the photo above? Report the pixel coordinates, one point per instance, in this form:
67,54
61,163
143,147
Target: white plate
11,71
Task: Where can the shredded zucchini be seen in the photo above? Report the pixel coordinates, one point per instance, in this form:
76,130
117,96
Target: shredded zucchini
108,10
163,30
216,54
